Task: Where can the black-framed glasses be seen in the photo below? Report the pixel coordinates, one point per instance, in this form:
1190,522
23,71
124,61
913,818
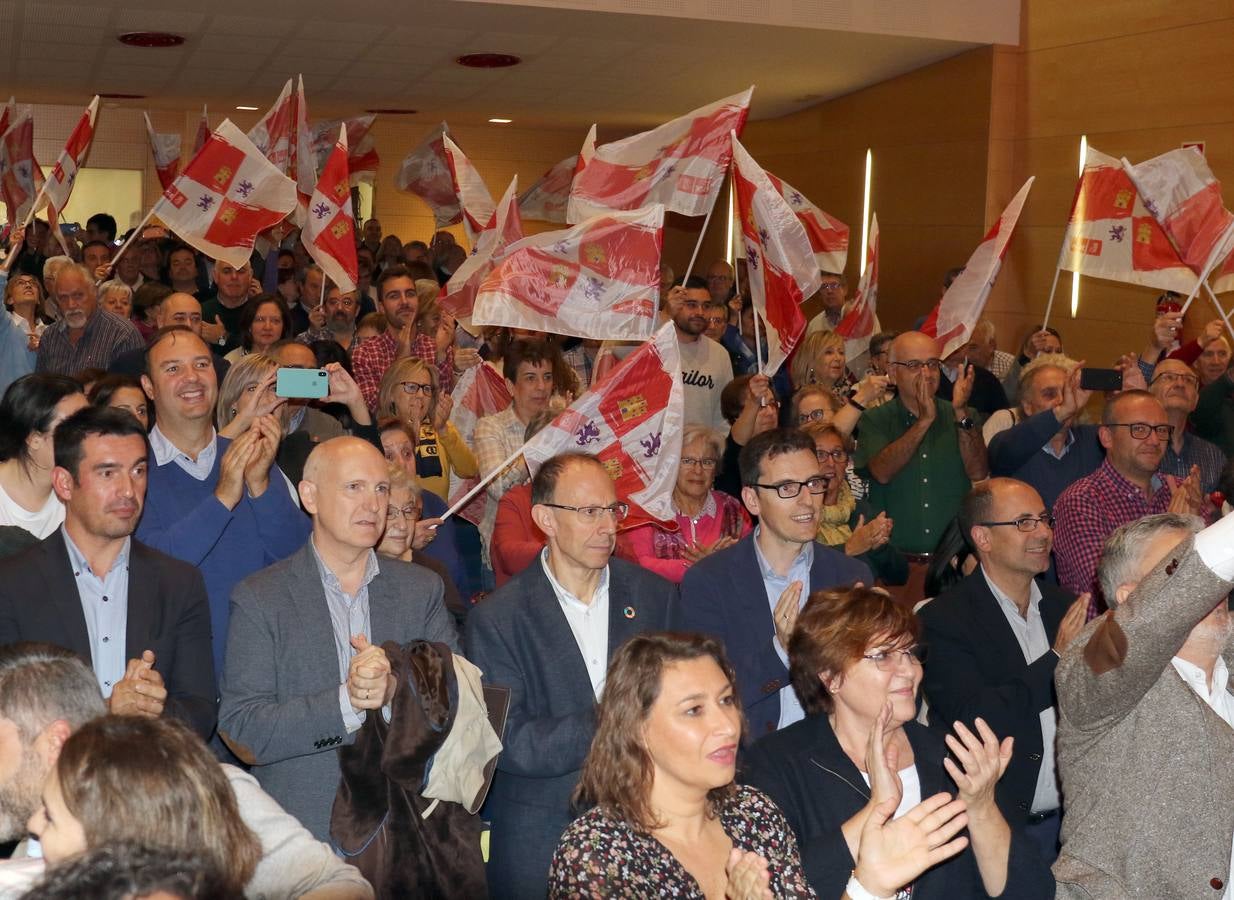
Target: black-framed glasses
839,454
707,462
402,512
415,387
1177,377
1024,523
590,515
787,490
1141,430
887,660
914,365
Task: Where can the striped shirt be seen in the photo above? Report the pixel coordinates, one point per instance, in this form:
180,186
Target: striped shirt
106,336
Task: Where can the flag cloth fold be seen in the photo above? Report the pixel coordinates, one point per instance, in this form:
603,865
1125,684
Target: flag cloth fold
680,164
458,297
21,177
203,131
165,148
425,172
951,321
274,133
329,234
473,197
303,159
780,262
599,279
828,235
59,184
480,391
632,424
362,158
857,326
226,195
547,199
1111,235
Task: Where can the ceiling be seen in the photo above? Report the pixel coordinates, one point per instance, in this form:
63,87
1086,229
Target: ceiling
582,63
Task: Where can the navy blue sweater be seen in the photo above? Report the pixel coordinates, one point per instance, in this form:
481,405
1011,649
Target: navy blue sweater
1017,453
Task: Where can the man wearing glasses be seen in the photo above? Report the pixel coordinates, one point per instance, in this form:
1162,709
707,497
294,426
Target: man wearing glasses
834,294
1134,431
749,595
546,635
1177,387
994,641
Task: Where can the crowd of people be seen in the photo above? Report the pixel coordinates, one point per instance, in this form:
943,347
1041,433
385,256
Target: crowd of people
921,626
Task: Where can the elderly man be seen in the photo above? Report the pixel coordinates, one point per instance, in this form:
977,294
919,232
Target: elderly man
1146,720
338,319
1177,388
547,636
233,286
86,336
1213,361
994,640
720,282
304,659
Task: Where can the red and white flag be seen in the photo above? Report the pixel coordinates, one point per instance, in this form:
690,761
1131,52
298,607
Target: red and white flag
680,164
473,196
1111,235
547,199
458,297
226,196
599,279
632,424
166,151
21,177
1183,195
203,131
63,175
828,235
857,326
303,158
779,259
362,158
951,321
479,392
329,233
6,114
425,172
274,134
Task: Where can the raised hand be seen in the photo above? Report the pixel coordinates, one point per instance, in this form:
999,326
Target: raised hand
141,691
868,535
268,436
1072,623
749,877
982,760
785,612
963,388
236,460
882,760
370,682
441,416
894,853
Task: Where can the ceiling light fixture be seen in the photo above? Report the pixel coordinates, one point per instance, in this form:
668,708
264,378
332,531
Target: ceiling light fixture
488,60
151,39
248,108
501,121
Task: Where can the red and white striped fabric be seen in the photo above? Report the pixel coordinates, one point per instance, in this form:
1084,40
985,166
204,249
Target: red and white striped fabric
632,423
64,174
425,172
303,159
828,235
547,199
329,232
473,196
362,158
479,392
857,326
274,133
165,148
505,228
779,259
21,177
680,164
599,279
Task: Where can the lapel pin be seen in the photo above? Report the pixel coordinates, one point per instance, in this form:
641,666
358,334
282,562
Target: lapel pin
629,612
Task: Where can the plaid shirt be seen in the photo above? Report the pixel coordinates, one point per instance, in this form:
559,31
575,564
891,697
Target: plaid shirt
1196,452
105,337
1087,513
374,356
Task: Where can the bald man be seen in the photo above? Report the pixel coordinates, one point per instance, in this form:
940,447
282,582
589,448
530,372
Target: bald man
304,664
181,309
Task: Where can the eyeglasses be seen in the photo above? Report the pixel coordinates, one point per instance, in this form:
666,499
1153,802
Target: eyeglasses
713,321
839,454
812,416
1140,430
886,660
405,512
707,462
914,365
26,280
590,515
1024,523
1177,377
831,285
415,387
787,490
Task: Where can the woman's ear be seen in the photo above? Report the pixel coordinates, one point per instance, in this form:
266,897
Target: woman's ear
831,682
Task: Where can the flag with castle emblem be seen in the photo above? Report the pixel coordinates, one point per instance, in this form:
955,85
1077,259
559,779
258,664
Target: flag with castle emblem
952,319
599,279
21,177
362,158
59,184
166,151
1111,235
329,233
828,235
780,262
680,164
857,326
547,199
226,195
425,172
473,196
458,297
632,424
479,392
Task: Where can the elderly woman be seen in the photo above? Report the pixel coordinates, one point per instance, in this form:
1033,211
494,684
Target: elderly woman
23,297
820,360
854,660
409,393
264,322
708,520
116,297
750,407
816,403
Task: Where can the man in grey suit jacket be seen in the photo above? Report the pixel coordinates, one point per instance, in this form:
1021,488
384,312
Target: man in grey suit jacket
304,664
1145,709
547,636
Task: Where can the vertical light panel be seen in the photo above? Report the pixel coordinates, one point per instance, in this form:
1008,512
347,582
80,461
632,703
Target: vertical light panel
728,240
1075,276
865,212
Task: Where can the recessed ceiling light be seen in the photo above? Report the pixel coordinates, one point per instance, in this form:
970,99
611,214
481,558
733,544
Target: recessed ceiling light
488,60
151,39
501,121
248,108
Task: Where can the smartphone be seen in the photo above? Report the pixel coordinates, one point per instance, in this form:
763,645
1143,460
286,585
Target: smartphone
1098,379
309,383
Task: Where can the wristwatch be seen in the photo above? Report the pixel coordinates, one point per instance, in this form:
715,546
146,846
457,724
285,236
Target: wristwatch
968,423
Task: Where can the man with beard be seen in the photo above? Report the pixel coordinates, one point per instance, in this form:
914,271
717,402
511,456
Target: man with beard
705,366
86,336
338,319
396,291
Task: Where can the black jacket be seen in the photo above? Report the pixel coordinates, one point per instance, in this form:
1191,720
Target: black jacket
987,397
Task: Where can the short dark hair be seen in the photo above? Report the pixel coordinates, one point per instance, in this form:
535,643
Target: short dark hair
100,421
733,398
1109,415
880,340
527,351
28,407
165,332
388,273
693,283
103,222
331,351
105,388
976,507
420,270
249,313
110,248
544,484
769,445
123,869
419,245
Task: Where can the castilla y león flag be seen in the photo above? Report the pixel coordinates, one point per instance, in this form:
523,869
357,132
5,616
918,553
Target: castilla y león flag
458,297
166,151
473,196
680,164
64,174
599,279
425,172
828,235
21,177
547,198
632,424
781,264
479,392
329,232
952,320
227,194
857,326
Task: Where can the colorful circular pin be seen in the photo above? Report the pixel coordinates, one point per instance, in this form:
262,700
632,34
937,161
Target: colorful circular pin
629,612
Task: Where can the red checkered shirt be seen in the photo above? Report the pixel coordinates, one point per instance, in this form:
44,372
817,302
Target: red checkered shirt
1087,513
371,359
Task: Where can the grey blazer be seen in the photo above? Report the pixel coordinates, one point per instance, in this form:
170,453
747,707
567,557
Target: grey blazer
1145,762
280,687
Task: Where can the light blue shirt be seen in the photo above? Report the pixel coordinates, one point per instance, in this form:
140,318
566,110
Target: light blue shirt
775,585
165,451
105,603
349,615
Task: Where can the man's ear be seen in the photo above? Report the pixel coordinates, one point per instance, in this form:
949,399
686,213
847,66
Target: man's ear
308,496
749,496
980,536
62,482
543,517
148,386
1105,436
50,741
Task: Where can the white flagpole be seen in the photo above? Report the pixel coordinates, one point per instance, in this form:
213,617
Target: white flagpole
1049,305
133,235
466,498
758,353
699,243
1217,303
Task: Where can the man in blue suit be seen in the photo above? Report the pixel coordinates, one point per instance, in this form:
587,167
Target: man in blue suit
547,636
749,595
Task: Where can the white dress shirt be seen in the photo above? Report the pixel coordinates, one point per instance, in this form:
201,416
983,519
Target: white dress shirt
588,623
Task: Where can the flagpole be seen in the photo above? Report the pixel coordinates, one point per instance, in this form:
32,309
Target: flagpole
699,244
1050,303
466,498
1217,303
133,235
758,351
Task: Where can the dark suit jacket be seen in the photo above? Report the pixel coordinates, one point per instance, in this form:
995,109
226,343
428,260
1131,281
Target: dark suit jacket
809,776
167,613
987,397
975,668
723,596
520,639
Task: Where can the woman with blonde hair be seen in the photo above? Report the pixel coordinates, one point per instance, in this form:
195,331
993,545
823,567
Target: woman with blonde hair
246,393
409,393
820,360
